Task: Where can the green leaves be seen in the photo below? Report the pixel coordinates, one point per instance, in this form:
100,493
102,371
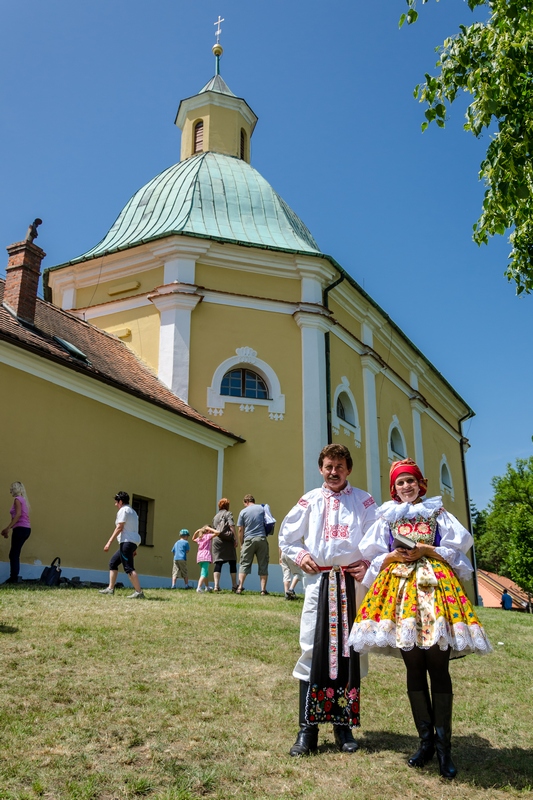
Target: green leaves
492,61
504,534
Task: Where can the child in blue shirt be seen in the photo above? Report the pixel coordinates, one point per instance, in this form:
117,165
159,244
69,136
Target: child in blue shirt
179,551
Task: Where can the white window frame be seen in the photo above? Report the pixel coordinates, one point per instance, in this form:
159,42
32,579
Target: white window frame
393,455
337,423
246,358
444,488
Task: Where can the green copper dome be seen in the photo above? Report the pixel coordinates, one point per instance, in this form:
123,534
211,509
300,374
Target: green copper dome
210,195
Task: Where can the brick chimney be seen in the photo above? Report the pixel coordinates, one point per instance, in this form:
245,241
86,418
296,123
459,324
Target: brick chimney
22,279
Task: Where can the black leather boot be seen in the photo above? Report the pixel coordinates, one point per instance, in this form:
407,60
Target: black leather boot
421,709
307,739
344,739
442,715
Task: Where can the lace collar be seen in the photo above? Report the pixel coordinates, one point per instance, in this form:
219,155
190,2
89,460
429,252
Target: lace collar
391,511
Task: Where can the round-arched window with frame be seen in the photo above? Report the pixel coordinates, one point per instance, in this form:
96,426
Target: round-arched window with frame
242,382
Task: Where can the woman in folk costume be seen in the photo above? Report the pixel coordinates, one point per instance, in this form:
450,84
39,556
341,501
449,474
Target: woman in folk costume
417,604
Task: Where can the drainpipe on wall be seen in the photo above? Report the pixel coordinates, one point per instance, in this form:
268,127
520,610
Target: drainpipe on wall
467,495
325,301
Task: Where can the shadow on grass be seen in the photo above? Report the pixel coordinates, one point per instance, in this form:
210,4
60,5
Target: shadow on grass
478,762
153,599
7,628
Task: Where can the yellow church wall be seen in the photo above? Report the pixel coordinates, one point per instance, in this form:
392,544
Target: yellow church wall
345,363
345,318
105,292
269,464
391,401
144,326
73,454
428,391
383,348
436,444
247,283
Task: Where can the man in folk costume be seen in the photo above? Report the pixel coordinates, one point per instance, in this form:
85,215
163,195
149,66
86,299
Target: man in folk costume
321,534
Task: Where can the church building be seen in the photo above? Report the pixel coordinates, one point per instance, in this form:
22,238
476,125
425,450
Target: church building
221,293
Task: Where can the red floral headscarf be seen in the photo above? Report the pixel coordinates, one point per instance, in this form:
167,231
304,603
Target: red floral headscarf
409,466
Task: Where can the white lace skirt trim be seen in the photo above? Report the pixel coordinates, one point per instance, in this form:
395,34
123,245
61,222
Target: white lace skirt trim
459,637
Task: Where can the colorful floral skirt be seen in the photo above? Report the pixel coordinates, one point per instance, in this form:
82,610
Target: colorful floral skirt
418,605
333,694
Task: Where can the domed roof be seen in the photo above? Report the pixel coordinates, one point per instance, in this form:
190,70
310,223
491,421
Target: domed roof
210,195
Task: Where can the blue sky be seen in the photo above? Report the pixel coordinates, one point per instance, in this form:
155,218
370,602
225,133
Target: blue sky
88,97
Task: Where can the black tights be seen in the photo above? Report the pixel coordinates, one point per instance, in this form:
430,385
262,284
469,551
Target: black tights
420,663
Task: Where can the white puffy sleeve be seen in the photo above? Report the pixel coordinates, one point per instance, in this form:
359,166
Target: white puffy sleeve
455,542
374,546
293,531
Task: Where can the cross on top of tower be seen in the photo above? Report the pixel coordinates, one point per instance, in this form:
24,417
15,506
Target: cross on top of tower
218,30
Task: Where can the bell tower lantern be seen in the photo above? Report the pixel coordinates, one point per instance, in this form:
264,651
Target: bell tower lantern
215,119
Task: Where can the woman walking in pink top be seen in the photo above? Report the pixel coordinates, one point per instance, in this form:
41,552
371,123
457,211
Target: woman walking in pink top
203,537
21,527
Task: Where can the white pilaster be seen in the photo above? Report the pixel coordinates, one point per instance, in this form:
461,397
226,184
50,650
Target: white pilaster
175,304
371,367
367,334
179,257
314,413
220,476
418,407
314,275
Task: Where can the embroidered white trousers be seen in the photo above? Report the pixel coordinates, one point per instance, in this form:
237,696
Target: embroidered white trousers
302,670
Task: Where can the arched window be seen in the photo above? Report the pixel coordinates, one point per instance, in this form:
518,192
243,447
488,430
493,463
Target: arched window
199,137
345,409
247,381
244,383
243,144
344,416
396,442
446,482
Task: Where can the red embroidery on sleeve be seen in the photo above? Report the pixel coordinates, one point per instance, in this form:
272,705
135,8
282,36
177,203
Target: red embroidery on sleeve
368,502
302,502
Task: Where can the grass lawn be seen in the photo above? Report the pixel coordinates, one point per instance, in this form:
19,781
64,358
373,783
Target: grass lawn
186,696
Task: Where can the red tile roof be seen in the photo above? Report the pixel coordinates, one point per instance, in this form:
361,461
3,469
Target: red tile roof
108,359
491,586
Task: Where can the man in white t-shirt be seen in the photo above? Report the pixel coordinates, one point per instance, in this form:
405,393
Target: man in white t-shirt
127,534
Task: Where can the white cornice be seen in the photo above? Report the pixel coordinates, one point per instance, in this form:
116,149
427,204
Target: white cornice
368,361
243,301
178,247
47,370
215,99
312,319
319,268
209,296
113,307
153,255
174,296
